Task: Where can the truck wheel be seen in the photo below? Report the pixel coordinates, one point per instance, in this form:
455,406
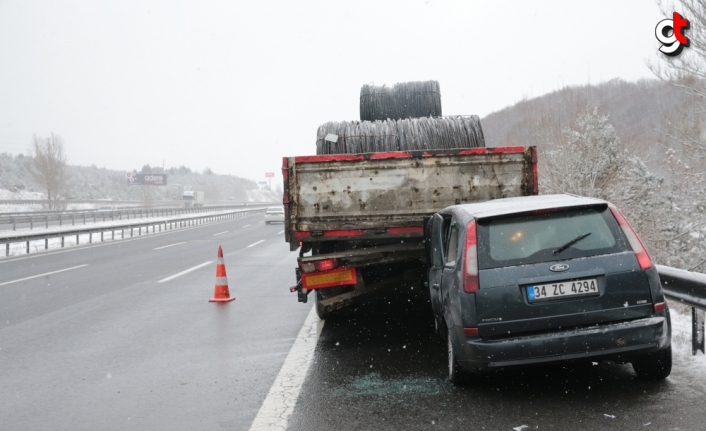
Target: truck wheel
653,366
320,310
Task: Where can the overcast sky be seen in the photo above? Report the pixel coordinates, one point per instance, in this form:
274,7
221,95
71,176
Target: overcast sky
236,85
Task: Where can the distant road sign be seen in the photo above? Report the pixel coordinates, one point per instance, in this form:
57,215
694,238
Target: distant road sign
128,175
147,180
269,174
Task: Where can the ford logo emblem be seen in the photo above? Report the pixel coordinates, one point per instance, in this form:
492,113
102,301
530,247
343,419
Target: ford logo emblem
559,267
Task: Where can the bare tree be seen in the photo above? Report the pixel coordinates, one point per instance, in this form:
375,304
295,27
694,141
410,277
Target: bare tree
49,168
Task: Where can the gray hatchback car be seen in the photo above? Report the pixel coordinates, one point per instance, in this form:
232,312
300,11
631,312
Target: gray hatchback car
538,279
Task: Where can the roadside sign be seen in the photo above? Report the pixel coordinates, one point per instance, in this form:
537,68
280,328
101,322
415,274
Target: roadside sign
269,174
147,180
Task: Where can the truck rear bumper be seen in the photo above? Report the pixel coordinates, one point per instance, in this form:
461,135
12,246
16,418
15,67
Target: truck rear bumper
614,340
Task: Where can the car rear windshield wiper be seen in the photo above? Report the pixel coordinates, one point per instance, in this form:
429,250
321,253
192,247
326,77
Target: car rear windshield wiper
570,243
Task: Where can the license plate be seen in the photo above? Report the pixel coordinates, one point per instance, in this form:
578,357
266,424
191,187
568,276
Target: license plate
563,289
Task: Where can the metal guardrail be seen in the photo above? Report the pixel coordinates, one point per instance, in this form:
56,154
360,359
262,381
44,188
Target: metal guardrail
689,288
127,205
168,223
80,201
43,218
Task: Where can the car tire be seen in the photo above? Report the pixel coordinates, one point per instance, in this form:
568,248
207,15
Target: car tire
439,329
653,366
456,374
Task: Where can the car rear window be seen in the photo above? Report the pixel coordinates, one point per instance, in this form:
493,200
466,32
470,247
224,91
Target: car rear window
532,238
275,210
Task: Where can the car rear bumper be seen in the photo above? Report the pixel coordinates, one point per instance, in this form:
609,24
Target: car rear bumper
618,339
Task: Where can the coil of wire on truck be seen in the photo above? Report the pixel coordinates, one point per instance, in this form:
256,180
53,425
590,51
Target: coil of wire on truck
428,133
402,100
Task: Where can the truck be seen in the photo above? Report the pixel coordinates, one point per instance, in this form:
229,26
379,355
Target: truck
192,198
359,220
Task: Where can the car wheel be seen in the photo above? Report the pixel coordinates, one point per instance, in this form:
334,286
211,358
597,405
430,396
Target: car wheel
439,329
456,374
653,366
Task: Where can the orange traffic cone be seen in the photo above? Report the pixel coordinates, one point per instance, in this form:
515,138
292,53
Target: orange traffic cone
221,293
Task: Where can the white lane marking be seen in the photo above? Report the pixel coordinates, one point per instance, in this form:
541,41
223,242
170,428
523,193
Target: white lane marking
256,243
170,245
221,233
280,232
279,403
172,277
245,226
42,275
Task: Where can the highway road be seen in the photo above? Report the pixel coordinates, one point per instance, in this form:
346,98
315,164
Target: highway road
121,335
105,345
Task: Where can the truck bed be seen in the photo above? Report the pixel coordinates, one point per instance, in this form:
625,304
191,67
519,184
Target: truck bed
382,195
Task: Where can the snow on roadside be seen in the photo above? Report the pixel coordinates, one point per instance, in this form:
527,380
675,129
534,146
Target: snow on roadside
695,365
20,248
20,194
263,196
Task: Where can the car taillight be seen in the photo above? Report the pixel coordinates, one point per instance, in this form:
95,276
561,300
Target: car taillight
319,265
470,278
473,332
660,306
640,252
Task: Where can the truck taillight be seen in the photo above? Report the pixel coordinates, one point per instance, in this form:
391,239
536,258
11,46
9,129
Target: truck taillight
643,259
319,265
470,278
326,264
307,266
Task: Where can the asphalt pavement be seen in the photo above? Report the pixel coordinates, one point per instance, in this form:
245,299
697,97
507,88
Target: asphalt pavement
380,367
104,345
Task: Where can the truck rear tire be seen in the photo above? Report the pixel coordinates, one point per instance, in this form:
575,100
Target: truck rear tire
321,294
319,308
